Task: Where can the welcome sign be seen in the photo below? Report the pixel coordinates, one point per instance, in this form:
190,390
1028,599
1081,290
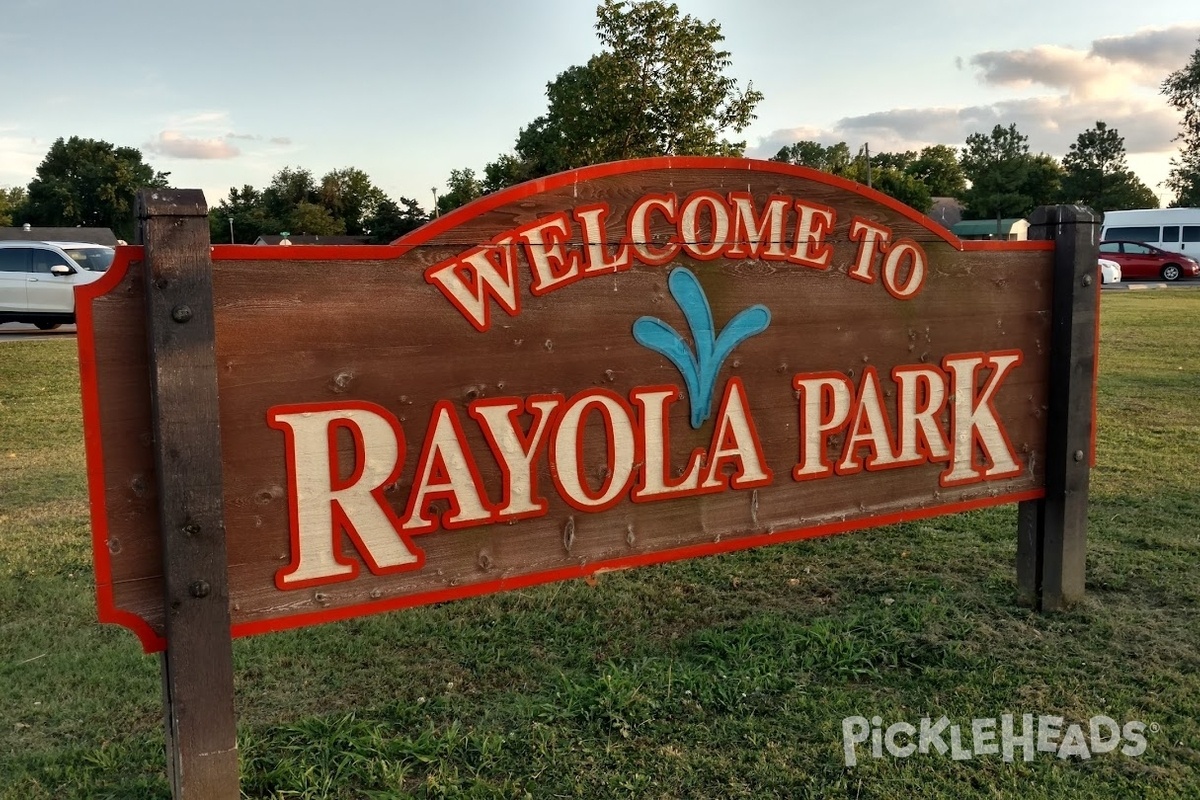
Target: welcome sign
612,367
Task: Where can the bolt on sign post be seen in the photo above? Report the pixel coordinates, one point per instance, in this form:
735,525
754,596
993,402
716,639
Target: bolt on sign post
621,365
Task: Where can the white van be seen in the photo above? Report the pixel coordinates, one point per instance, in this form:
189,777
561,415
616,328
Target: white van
1173,229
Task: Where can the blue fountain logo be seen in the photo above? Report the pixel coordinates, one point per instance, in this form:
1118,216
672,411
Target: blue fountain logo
699,369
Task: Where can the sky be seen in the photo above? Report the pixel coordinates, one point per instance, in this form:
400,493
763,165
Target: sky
222,94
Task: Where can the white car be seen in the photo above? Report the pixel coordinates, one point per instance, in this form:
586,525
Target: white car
38,279
1110,271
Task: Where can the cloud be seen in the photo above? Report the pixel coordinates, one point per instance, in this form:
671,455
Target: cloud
206,119
1110,68
179,145
1165,49
1116,80
253,137
1056,67
771,144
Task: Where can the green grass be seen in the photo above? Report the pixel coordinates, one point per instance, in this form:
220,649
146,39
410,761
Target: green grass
719,677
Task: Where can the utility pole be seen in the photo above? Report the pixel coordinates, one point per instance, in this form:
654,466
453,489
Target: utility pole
436,213
867,150
231,231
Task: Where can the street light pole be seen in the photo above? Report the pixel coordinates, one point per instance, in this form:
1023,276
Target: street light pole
231,231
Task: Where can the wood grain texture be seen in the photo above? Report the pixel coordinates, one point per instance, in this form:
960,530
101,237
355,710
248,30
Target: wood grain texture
198,662
1052,548
374,330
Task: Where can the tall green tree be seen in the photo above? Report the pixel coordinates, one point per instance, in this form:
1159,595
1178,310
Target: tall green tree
1006,180
11,199
288,189
888,171
1182,89
997,165
507,170
293,202
461,188
937,167
835,159
344,201
314,219
900,185
659,87
1043,183
350,197
89,182
241,217
899,162
1096,174
391,220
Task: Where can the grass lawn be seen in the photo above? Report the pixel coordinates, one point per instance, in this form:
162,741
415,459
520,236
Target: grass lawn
721,677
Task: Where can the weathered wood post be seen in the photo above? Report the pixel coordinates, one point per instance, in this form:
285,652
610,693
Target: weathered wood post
1052,532
197,665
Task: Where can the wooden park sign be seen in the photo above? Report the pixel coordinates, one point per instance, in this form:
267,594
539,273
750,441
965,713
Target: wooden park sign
616,366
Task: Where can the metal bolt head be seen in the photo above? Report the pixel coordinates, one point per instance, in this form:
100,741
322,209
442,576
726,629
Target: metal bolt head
191,529
1079,455
181,313
1087,280
200,589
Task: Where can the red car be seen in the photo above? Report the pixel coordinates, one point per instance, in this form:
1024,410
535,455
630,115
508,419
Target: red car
1141,260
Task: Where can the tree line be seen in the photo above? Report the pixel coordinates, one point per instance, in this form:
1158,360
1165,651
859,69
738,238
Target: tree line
993,176
342,202
659,87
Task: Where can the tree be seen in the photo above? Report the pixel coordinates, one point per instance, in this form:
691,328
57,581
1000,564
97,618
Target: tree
998,166
91,183
294,203
1096,175
1043,182
658,88
903,187
888,170
288,189
392,220
350,197
507,170
345,201
462,188
314,219
834,159
1182,89
11,199
246,210
895,161
937,167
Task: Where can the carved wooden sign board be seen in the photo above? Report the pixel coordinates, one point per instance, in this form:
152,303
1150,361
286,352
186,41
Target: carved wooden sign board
612,367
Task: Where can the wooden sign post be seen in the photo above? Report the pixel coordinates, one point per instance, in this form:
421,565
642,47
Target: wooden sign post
197,663
617,366
1052,531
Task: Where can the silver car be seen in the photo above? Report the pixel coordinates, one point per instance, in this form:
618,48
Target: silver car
38,279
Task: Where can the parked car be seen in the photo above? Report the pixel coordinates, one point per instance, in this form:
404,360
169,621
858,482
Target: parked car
38,279
1110,271
1176,230
1140,260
